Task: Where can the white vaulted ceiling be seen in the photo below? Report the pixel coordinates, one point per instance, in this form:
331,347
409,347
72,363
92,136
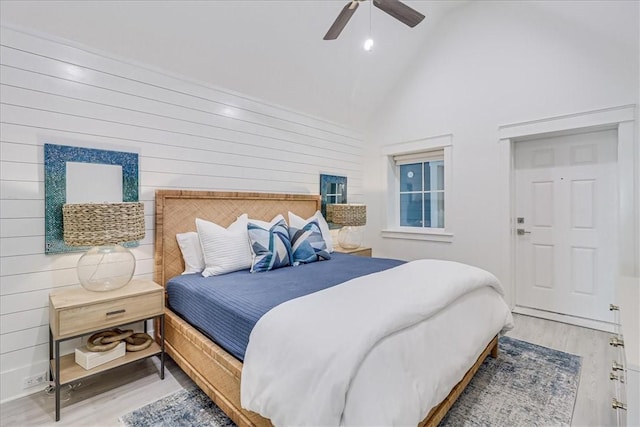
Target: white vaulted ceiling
273,50
270,50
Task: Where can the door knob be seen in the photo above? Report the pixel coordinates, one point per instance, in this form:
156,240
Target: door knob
521,232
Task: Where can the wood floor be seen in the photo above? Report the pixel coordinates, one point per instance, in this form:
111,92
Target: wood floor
103,399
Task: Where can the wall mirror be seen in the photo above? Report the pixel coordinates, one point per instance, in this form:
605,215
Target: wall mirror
333,189
84,175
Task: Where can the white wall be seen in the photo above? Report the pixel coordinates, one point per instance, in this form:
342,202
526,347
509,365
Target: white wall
188,136
491,64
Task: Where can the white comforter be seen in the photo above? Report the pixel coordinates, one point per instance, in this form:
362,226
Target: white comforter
362,353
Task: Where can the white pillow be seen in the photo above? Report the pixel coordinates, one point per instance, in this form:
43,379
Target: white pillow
266,224
189,244
297,222
224,249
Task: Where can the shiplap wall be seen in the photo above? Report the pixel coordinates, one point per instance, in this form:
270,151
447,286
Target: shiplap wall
188,135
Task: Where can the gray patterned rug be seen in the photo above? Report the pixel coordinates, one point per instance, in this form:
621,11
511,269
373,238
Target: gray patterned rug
528,385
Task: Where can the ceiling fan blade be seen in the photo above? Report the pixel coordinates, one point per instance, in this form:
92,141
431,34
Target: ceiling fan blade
342,19
400,11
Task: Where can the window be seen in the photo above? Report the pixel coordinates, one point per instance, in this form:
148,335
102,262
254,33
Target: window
419,189
422,193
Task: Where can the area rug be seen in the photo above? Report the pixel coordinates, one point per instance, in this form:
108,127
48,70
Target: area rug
528,385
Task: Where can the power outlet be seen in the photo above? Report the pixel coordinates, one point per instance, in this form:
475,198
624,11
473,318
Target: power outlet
35,380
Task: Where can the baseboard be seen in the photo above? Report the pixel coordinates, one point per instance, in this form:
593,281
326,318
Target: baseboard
564,318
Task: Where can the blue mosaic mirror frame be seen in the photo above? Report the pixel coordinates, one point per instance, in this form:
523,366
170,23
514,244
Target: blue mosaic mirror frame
55,186
333,189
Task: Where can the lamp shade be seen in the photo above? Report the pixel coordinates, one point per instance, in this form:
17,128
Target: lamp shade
353,215
96,224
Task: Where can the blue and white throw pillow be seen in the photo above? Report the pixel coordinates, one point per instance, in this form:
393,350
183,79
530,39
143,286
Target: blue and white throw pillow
297,222
271,247
307,244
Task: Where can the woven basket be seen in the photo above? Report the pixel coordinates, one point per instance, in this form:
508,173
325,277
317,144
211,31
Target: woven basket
350,214
97,224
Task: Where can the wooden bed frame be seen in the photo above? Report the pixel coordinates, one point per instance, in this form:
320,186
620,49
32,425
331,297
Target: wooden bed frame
214,370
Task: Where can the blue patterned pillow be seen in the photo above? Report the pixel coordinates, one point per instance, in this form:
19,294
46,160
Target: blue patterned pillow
307,244
271,248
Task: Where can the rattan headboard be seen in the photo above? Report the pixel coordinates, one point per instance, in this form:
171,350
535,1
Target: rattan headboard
177,210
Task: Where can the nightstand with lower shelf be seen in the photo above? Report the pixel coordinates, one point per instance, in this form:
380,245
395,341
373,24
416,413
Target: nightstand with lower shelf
77,312
360,251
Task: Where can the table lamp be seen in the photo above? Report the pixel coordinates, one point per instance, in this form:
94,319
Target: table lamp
107,265
352,217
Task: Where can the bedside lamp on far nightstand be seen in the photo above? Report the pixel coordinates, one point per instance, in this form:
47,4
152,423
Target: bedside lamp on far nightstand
352,217
107,265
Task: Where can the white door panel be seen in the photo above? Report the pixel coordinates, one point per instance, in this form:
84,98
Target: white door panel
566,192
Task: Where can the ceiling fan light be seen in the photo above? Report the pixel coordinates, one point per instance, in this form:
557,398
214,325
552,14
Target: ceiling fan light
368,44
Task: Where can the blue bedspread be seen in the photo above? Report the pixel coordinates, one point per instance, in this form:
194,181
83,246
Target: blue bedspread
226,307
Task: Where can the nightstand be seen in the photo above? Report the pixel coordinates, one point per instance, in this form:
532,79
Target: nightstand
77,312
361,251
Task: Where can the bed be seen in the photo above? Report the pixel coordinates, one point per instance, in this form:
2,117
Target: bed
217,372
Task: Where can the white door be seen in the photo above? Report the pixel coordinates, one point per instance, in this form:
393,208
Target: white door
566,209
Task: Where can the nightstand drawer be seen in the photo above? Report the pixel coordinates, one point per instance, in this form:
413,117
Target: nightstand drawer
361,251
366,252
90,317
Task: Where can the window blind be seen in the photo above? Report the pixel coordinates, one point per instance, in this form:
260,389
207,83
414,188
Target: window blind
424,156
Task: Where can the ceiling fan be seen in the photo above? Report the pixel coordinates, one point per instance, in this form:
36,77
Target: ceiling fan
395,8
